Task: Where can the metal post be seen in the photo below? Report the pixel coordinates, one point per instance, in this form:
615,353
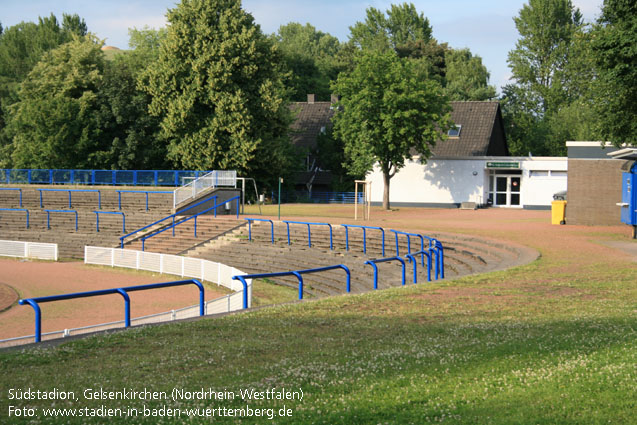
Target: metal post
281,181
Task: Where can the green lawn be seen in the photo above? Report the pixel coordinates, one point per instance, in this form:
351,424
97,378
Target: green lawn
552,342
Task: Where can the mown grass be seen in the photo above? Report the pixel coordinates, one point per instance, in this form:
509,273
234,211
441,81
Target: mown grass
551,342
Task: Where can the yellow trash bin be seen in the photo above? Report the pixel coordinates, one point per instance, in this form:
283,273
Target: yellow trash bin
558,212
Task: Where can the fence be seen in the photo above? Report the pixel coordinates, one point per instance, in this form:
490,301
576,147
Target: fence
98,177
319,197
37,250
166,264
211,180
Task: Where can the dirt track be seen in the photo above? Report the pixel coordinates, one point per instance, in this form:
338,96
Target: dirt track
36,279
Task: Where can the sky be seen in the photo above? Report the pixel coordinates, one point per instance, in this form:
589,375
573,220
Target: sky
486,27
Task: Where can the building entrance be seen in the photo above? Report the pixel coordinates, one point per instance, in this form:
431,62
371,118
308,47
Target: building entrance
504,188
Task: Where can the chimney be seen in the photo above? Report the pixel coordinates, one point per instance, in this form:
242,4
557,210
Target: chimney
311,99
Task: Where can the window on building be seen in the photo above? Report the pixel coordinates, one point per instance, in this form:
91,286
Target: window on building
454,131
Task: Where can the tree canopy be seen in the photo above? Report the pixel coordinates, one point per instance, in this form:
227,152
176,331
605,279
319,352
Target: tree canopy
387,113
217,89
615,53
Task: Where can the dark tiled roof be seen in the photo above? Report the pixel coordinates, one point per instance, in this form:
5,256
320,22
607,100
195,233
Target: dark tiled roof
479,121
309,119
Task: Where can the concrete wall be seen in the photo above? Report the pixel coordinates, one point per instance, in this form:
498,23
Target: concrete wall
447,182
594,189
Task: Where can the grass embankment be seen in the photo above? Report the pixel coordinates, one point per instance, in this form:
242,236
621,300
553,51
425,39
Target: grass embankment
552,342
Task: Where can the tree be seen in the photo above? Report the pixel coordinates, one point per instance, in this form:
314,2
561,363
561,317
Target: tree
615,50
466,77
126,126
386,113
311,56
217,89
21,47
402,25
541,55
54,122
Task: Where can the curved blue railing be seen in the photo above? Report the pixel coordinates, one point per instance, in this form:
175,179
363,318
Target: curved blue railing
99,195
48,216
298,274
309,231
147,192
365,228
384,260
18,209
14,189
97,219
412,259
33,302
250,220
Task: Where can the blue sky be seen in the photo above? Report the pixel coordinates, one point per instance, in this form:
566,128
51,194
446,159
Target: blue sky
484,26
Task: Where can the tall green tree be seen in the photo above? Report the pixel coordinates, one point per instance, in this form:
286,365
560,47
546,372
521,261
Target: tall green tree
311,56
386,113
540,59
396,30
466,78
126,125
54,122
217,89
21,47
615,51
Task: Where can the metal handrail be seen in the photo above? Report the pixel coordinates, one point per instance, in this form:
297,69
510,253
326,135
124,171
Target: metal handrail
165,218
18,209
48,216
97,219
384,260
412,259
298,274
14,188
347,226
33,302
119,195
172,226
309,232
99,195
250,220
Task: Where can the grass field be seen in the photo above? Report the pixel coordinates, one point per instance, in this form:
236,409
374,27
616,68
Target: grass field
551,342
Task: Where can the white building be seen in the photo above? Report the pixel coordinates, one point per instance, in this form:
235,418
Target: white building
500,181
474,165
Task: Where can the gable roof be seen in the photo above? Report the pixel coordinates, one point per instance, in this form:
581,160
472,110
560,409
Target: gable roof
481,132
310,118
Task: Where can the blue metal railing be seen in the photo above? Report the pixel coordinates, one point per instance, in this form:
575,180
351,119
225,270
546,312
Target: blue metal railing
121,239
384,260
309,232
250,220
18,209
435,246
297,273
412,259
97,219
98,177
99,195
365,228
33,302
16,189
119,195
48,216
172,226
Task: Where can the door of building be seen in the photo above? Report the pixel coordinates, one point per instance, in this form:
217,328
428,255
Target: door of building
505,190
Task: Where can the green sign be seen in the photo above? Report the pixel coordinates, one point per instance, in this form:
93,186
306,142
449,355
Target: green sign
503,165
